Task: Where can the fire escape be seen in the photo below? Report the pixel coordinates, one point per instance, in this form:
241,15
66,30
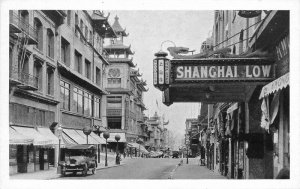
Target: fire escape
23,34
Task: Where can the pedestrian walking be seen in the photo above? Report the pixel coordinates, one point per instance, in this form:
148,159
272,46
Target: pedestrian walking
202,155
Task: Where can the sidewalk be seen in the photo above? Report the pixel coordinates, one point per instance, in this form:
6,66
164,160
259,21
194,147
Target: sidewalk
52,172
194,171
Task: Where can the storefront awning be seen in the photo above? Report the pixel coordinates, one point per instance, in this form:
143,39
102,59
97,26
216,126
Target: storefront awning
46,132
143,150
16,138
112,137
98,138
133,145
38,138
275,85
91,140
138,147
75,136
67,140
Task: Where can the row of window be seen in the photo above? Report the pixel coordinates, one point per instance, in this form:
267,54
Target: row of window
78,65
38,26
88,34
65,58
82,102
38,72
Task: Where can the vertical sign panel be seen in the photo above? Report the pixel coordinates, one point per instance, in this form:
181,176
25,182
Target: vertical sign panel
155,72
161,72
167,72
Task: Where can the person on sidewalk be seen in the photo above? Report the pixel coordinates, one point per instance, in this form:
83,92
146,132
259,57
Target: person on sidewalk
202,156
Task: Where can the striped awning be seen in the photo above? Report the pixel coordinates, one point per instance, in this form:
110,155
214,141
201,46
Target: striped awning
138,147
74,135
68,140
91,140
98,138
16,138
38,138
275,85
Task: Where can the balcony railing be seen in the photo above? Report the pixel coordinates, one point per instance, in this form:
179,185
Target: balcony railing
17,23
24,80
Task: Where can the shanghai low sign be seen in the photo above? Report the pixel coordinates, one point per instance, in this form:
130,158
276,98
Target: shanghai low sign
223,72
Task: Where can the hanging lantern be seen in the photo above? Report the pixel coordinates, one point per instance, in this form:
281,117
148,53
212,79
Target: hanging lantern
249,13
161,71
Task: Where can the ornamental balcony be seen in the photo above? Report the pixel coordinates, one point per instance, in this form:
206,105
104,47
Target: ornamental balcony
16,25
23,80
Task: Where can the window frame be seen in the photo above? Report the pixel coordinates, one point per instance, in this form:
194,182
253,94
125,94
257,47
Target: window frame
97,100
50,81
50,43
87,64
65,86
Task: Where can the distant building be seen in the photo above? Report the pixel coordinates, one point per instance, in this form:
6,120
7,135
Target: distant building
157,133
124,103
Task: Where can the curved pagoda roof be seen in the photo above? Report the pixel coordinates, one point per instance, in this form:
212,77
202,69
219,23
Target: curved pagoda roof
118,28
118,48
101,24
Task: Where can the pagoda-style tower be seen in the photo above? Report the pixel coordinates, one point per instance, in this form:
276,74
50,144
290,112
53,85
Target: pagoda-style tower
118,52
124,108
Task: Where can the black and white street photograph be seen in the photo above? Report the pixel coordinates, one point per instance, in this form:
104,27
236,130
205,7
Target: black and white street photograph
150,93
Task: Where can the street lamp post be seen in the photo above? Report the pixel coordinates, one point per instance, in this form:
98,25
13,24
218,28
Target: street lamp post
87,131
59,134
106,136
117,138
187,152
187,155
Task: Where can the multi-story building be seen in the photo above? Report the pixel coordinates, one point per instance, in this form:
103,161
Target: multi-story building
56,70
251,137
157,133
80,66
124,103
244,77
192,135
33,94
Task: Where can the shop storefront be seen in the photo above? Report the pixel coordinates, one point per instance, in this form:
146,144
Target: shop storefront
215,80
30,149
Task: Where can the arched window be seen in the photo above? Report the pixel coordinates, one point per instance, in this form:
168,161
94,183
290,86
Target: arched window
39,30
24,17
50,43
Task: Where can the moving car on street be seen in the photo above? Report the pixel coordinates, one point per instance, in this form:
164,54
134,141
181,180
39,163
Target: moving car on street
79,158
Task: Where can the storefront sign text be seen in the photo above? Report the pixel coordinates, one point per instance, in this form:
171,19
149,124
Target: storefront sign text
213,72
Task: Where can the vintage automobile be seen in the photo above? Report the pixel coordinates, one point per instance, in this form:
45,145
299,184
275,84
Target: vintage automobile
79,158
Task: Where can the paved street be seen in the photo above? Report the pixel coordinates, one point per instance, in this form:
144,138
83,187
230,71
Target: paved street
151,168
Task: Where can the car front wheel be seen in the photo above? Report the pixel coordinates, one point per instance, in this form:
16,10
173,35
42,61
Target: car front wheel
84,171
94,170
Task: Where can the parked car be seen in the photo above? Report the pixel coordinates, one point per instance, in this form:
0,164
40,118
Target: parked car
79,158
175,154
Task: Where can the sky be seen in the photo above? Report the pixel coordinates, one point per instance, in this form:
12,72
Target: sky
147,30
